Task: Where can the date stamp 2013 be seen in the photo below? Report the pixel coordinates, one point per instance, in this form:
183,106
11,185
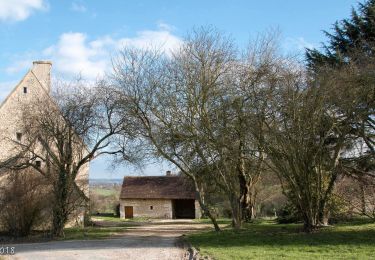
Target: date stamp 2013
7,250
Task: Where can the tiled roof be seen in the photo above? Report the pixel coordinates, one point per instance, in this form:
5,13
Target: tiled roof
157,187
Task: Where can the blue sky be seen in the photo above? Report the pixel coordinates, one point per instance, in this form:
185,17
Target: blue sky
80,36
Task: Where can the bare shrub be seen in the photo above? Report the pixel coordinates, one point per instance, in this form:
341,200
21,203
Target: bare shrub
25,203
358,195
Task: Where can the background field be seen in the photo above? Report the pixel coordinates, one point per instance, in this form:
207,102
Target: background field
104,196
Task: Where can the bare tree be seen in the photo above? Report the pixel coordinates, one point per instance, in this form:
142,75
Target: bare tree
352,97
61,134
164,97
257,73
202,110
306,140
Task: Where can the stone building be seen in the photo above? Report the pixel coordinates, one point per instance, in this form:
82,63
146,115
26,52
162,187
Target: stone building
33,87
34,84
165,197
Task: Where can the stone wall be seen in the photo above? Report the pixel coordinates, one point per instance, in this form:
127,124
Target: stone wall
161,208
34,86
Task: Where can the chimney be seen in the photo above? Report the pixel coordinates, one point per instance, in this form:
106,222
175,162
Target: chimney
168,173
42,70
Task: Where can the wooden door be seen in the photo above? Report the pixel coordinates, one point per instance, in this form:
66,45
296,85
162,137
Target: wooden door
128,211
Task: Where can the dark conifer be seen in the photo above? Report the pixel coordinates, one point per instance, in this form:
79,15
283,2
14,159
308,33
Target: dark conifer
352,35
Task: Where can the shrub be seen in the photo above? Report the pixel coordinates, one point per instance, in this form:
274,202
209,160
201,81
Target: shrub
25,203
288,214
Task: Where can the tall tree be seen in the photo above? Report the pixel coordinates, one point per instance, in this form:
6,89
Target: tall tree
308,138
349,36
162,106
346,64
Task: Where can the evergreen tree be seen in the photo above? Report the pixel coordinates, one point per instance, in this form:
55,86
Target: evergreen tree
353,35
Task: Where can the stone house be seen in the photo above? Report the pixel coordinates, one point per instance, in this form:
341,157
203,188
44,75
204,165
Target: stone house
34,86
164,197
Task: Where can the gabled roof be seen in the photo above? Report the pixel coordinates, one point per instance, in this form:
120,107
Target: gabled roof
30,71
157,187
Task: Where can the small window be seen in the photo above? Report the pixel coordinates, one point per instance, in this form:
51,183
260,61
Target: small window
25,90
19,136
151,207
38,164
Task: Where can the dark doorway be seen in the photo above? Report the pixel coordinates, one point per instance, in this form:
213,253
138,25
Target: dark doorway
128,212
183,209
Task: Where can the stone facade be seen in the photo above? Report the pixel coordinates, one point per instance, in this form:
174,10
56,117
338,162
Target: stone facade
153,208
165,197
34,86
148,208
28,88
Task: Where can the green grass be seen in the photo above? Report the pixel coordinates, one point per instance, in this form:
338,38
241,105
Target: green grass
220,221
91,232
267,240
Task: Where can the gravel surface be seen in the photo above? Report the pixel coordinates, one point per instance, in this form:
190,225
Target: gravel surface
152,240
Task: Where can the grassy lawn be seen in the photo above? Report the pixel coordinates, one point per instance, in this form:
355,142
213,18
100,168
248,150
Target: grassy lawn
267,240
91,232
220,221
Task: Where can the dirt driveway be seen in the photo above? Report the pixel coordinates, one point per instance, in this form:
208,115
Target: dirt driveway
151,240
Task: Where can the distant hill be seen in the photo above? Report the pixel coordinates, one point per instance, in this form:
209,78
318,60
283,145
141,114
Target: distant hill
105,181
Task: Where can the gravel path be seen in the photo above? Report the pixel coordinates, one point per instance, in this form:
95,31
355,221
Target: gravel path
155,240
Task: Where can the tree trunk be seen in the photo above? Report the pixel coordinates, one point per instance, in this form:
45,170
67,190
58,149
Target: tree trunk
245,207
325,218
236,211
309,223
251,211
244,198
363,198
60,214
248,205
59,220
203,206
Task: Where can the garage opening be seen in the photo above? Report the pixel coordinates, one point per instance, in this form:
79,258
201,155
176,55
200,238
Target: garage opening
183,208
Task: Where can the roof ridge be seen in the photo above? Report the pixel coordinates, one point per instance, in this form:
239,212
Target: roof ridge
14,89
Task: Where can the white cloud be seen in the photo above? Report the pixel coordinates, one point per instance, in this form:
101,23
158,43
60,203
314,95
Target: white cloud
18,10
297,44
164,26
78,7
162,39
75,53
